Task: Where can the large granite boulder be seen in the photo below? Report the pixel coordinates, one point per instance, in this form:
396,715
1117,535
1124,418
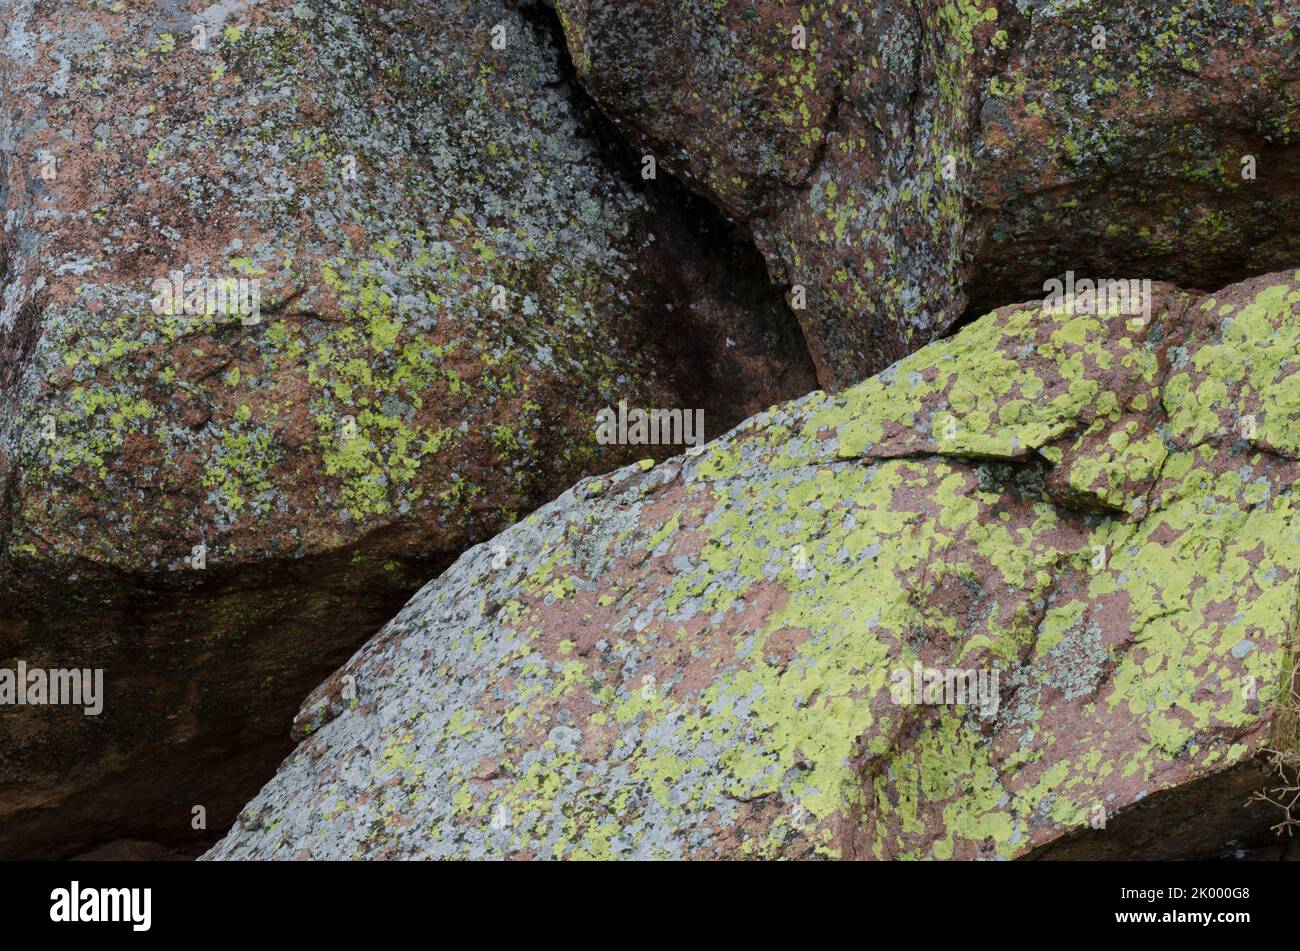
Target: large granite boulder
897,161
1031,592
427,275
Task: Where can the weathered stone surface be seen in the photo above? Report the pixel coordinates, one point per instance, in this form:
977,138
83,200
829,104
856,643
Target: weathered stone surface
695,659
828,154
380,417
1128,160
915,156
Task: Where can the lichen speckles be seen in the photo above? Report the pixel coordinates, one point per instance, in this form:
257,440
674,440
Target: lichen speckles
1122,93
823,125
379,285
454,278
694,660
899,160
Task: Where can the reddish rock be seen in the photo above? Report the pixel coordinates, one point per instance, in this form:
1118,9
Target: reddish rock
907,163
453,278
1086,517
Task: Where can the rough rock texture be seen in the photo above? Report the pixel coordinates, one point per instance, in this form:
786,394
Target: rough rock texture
917,154
1127,161
695,659
381,169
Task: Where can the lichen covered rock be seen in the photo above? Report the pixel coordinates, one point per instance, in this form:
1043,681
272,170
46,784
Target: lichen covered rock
702,658
1135,138
897,160
451,277
826,128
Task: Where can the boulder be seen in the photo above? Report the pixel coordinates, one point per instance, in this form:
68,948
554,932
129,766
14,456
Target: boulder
1030,592
902,164
310,295
1159,139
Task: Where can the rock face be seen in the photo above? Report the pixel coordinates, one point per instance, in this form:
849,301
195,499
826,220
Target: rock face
1091,511
451,279
899,160
1132,159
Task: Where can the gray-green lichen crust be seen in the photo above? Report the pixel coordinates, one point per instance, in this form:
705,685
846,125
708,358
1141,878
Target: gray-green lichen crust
694,659
453,281
898,159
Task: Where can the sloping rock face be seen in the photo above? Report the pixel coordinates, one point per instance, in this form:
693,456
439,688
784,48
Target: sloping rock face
897,160
729,654
451,279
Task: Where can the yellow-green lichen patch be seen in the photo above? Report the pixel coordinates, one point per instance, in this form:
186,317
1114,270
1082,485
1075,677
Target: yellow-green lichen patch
702,658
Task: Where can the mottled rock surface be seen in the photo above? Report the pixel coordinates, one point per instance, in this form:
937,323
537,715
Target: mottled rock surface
901,159
696,658
454,277
1128,160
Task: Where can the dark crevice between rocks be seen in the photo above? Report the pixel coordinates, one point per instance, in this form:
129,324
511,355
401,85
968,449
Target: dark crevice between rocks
716,252
967,317
222,766
224,763
1211,818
